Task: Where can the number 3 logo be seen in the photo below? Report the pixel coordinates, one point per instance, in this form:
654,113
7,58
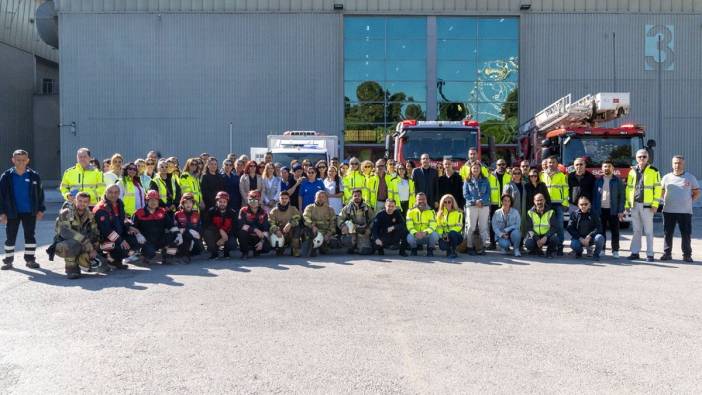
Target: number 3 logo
665,57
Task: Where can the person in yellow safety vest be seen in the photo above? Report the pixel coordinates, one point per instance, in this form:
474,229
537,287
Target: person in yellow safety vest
83,178
190,181
401,189
379,187
464,172
421,225
643,196
449,225
541,228
557,186
370,183
131,191
353,179
167,186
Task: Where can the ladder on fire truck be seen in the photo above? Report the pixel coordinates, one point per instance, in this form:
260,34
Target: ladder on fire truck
586,111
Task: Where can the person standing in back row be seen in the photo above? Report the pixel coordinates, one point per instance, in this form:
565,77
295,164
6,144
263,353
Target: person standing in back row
21,202
609,203
643,196
424,178
680,190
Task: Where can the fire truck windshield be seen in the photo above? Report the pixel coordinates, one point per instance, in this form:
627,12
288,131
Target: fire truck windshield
595,150
438,143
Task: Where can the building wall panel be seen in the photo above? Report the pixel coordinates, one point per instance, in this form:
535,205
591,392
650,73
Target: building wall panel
573,53
134,82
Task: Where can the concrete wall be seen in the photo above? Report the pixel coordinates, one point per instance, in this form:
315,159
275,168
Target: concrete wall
16,89
562,53
174,82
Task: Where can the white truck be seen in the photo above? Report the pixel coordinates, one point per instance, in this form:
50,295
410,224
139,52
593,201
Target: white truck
299,145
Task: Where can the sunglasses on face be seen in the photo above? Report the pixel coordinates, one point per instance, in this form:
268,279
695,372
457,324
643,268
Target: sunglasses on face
131,169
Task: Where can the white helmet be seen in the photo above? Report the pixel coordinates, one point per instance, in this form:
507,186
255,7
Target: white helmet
350,226
277,242
318,240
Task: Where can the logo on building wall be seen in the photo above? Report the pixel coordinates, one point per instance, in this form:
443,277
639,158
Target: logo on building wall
663,57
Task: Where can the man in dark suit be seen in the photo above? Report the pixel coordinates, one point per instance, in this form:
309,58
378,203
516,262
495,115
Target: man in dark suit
425,179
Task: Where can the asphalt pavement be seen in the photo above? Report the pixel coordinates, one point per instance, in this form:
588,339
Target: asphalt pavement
350,324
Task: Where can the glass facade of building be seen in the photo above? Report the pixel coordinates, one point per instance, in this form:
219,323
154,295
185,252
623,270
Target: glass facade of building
474,71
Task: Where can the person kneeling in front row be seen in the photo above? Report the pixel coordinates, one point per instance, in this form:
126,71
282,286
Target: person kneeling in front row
220,227
541,228
449,224
389,229
505,223
421,225
585,230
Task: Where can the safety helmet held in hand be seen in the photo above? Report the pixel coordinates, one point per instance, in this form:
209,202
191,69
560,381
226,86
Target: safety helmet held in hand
318,240
350,226
277,242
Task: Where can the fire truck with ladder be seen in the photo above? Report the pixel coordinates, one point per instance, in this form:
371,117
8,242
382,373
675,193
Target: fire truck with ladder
439,139
571,130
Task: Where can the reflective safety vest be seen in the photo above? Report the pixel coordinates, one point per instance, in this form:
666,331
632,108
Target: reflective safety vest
557,186
652,189
190,183
88,180
352,181
464,171
449,221
132,195
495,191
541,222
393,192
162,191
421,221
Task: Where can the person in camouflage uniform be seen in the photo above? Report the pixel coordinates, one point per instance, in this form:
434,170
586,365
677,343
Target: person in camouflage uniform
355,221
319,217
284,222
76,239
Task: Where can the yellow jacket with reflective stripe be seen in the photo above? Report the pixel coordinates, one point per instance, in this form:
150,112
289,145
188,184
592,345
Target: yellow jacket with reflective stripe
88,180
541,224
449,221
421,221
162,191
652,187
352,181
557,185
464,171
190,183
371,190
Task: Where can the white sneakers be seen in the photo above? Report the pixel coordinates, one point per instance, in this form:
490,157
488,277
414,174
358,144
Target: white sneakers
615,254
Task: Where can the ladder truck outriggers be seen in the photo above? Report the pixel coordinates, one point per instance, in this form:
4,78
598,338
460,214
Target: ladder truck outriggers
571,130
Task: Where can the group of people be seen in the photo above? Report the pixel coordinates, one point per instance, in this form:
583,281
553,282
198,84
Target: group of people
152,210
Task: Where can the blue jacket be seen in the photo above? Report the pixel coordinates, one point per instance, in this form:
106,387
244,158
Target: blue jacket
616,195
7,196
474,190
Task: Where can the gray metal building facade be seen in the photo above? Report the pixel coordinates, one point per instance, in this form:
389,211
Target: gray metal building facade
25,64
173,75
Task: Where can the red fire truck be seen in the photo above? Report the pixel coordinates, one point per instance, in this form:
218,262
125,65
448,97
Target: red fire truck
439,139
571,130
